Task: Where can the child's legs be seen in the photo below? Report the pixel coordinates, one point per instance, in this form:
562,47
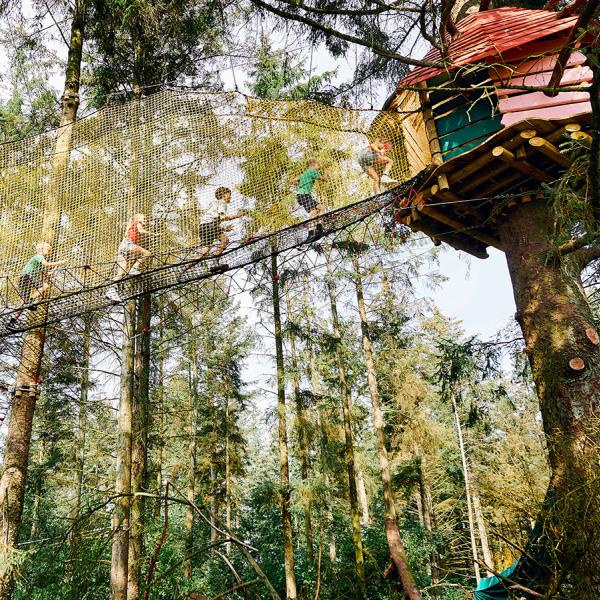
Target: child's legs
223,243
141,256
122,267
40,291
386,162
372,173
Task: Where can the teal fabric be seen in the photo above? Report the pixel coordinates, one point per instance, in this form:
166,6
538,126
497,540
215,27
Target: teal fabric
491,588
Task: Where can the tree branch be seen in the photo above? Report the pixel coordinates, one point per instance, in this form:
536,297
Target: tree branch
571,9
376,48
563,56
578,243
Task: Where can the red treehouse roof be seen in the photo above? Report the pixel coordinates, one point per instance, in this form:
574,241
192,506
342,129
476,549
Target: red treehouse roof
487,35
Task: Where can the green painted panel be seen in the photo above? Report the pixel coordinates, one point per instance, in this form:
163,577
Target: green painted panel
457,143
463,116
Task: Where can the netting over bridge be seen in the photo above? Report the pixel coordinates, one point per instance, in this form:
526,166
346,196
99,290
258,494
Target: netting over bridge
165,157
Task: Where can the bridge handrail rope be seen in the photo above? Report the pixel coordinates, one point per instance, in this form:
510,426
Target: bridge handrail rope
207,176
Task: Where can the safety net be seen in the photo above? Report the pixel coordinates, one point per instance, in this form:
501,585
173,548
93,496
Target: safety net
191,168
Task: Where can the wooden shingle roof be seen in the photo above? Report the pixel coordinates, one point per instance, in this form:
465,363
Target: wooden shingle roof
486,35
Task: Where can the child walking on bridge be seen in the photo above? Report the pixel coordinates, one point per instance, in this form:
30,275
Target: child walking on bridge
32,282
213,229
373,159
305,184
133,256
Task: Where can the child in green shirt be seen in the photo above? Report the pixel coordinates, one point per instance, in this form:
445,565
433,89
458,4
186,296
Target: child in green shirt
31,281
305,184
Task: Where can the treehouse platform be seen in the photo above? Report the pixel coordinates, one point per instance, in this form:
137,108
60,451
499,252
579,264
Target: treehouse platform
493,122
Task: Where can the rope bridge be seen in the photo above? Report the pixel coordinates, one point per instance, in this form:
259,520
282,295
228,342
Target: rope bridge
173,157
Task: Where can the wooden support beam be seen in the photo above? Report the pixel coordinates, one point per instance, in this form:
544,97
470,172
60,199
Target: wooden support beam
433,230
507,180
523,166
485,176
583,137
430,128
459,226
551,151
451,197
482,162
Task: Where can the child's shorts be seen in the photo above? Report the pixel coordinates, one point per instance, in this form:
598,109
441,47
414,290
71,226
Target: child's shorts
209,232
126,248
307,202
367,158
27,285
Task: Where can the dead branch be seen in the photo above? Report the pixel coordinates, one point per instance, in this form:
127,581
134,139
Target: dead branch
563,56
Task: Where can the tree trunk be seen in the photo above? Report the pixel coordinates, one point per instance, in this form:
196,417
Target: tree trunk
316,392
284,468
159,427
429,523
468,499
18,437
303,443
559,328
227,472
80,445
191,476
392,531
348,438
363,499
38,490
121,515
483,538
139,441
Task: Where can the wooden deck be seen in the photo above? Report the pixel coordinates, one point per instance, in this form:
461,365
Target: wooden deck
461,200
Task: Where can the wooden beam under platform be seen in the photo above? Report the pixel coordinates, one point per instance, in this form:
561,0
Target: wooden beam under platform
461,200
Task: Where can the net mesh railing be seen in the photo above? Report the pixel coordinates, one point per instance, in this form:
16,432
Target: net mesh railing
77,188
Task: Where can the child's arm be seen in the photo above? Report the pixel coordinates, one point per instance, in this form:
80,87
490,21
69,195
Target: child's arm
56,263
146,232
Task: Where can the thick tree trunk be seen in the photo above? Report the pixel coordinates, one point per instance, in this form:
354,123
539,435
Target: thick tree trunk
468,499
392,531
559,333
18,438
349,440
139,441
284,468
303,444
191,461
121,515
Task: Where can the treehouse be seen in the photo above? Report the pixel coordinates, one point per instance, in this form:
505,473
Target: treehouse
487,122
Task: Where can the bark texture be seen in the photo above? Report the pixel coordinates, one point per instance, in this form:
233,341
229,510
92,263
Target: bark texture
392,531
284,468
554,314
18,438
139,443
349,457
119,571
